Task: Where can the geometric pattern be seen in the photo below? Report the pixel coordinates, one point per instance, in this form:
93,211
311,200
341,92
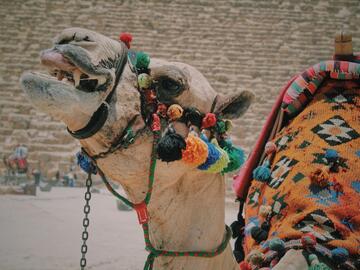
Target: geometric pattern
335,131
281,170
254,197
339,97
282,142
319,158
298,177
323,196
319,225
278,204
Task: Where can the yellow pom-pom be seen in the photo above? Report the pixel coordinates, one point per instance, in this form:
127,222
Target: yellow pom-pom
222,162
174,112
144,81
196,151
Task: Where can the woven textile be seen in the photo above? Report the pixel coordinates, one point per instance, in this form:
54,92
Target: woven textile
330,210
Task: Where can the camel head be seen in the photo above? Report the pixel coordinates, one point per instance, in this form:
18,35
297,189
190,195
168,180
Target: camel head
88,70
84,66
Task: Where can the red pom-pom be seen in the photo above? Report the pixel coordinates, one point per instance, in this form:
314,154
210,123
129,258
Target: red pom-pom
308,240
209,120
245,266
126,38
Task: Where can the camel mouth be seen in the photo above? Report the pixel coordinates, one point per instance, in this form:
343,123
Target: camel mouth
71,65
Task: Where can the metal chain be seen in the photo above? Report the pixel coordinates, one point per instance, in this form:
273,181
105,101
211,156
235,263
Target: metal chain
86,221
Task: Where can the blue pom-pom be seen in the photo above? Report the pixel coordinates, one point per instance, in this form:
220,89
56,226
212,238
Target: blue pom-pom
262,173
213,154
331,154
339,255
277,244
85,163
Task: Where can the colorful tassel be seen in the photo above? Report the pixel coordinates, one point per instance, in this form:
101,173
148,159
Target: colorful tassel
331,155
196,151
222,162
213,154
170,146
236,156
262,173
315,264
221,127
175,112
144,81
142,61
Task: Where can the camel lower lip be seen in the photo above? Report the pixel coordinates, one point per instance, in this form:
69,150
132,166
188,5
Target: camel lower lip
55,60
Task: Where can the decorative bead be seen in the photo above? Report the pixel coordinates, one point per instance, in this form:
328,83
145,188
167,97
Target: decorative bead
142,61
144,81
339,255
262,173
85,163
155,125
277,244
209,120
264,210
270,147
126,38
331,155
255,257
196,151
308,240
170,146
245,266
175,112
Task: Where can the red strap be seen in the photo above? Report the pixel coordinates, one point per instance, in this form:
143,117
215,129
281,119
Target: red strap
142,212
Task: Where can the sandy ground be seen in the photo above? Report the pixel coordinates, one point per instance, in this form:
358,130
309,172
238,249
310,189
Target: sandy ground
43,232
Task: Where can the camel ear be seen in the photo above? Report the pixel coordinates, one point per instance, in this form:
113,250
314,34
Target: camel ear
234,106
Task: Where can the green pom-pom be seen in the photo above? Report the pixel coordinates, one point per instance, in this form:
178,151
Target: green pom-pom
263,172
277,244
315,264
144,81
221,127
142,60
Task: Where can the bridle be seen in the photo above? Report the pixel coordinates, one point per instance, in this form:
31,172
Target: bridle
128,137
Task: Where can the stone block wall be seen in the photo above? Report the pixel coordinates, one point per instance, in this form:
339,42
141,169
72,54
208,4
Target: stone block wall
237,44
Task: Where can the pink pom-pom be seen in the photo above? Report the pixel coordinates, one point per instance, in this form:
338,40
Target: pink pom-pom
245,266
270,148
126,38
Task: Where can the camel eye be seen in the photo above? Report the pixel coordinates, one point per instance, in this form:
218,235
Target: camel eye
171,86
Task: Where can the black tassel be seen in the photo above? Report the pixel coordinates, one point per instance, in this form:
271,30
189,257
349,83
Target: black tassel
170,146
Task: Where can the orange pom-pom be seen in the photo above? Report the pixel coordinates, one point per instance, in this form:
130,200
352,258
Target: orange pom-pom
196,151
174,112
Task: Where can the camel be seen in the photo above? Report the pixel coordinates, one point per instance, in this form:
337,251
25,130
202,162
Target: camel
89,74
